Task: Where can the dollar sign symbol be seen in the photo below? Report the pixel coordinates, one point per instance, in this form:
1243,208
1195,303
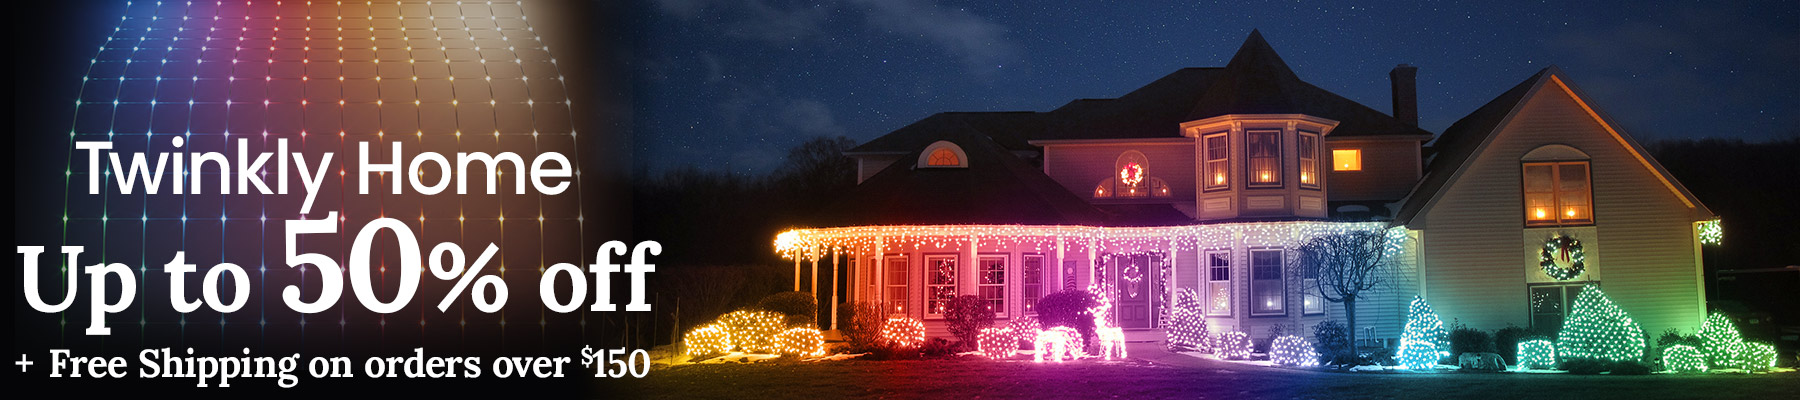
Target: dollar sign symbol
587,356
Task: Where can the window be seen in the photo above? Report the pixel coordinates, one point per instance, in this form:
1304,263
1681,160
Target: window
1346,159
943,154
1218,161
1308,152
896,285
943,157
1549,304
1311,303
1218,283
1131,178
1557,193
1267,294
940,283
1265,158
1031,280
993,283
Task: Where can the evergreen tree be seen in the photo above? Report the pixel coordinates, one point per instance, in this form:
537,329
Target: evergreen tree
1422,344
1597,328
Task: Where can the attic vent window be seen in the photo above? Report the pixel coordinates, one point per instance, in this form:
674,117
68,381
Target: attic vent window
943,154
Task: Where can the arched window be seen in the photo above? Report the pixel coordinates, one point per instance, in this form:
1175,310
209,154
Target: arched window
1131,178
943,154
1557,186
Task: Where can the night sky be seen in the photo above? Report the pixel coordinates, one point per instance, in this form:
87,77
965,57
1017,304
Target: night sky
729,85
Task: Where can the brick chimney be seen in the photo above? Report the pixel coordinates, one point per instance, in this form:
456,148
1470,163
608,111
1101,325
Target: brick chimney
1406,93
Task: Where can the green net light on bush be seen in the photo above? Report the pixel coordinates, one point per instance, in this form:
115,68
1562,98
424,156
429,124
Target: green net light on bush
1683,358
1422,344
1758,356
1536,354
1293,350
1598,328
1720,342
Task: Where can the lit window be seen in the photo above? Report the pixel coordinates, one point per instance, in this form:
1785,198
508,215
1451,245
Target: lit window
1218,154
1265,158
1268,296
943,157
1308,152
1557,193
1311,302
1346,159
940,283
993,283
1218,285
1131,178
896,285
1031,274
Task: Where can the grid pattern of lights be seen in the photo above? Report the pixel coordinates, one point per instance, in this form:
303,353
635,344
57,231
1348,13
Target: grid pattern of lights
753,331
800,341
1598,328
997,343
1422,343
903,332
1721,342
1712,233
1683,358
1057,344
1536,353
1233,345
317,77
1293,350
1187,323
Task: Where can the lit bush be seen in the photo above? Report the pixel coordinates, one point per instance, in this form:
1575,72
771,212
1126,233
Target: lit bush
1422,343
1234,345
1720,342
998,343
1333,343
1758,356
1598,328
1293,350
708,339
753,331
1683,358
1186,330
802,341
1056,343
1536,354
903,332
862,325
1024,330
1069,308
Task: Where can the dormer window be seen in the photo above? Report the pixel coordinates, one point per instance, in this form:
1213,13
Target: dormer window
943,154
1131,178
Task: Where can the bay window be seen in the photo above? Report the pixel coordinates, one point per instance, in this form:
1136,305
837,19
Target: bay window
1307,150
1264,148
1218,162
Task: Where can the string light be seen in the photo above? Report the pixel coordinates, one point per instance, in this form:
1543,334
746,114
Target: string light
1598,328
1187,324
1720,342
997,343
1711,232
801,341
1112,342
1056,343
812,243
1683,358
1422,343
1233,345
903,332
1758,356
753,331
1536,353
709,339
1293,351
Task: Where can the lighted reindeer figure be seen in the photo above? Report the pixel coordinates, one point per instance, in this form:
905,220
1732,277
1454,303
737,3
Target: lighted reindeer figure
1111,338
1056,343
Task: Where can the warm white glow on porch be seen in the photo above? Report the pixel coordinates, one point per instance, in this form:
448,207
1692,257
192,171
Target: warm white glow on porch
818,243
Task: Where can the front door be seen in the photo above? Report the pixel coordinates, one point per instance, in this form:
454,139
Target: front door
1136,278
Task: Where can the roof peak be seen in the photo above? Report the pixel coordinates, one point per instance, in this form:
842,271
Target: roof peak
1257,56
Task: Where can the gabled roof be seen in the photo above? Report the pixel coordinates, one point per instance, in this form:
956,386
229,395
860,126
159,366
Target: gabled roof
1457,147
1009,129
997,187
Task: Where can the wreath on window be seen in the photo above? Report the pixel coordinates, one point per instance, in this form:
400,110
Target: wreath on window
1562,258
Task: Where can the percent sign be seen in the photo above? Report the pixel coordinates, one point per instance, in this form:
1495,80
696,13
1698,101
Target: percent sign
457,268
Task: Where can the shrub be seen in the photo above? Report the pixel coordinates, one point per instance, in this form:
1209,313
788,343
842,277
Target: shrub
1683,358
1275,331
1630,367
1470,340
1333,344
1234,345
1536,353
1381,356
707,339
753,330
1720,342
903,332
938,348
790,303
1293,350
1068,308
1673,337
1598,328
998,343
802,342
1506,342
1187,323
883,352
1758,356
966,315
1585,365
861,326
1024,330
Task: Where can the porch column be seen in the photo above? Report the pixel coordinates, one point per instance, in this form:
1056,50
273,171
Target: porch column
1060,246
813,286
1093,277
879,295
835,274
797,271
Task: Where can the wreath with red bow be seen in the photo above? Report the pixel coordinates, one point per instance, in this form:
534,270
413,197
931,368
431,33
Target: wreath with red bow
1562,250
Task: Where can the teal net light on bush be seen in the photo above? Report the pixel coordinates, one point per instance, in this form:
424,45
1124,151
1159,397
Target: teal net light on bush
1422,344
1536,354
1720,342
1598,328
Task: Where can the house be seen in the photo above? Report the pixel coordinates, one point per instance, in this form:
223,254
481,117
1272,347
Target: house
1208,178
